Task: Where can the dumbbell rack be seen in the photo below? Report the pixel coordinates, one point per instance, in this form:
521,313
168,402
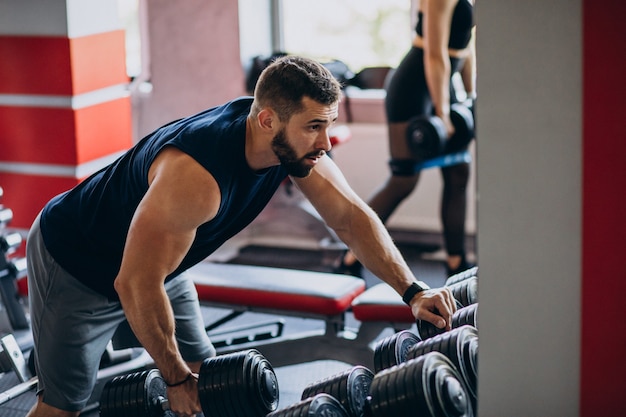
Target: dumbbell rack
13,307
15,332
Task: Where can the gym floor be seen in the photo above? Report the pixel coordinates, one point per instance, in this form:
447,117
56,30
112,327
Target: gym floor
420,250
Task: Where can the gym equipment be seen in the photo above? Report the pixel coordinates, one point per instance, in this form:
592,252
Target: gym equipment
12,360
6,215
465,292
286,292
239,384
466,315
350,388
320,405
10,271
392,350
427,136
427,386
462,276
460,345
9,242
381,305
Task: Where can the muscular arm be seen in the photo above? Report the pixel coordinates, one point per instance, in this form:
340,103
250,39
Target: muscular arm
361,229
181,196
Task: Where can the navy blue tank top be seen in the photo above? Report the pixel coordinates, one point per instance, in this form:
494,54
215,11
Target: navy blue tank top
461,26
85,228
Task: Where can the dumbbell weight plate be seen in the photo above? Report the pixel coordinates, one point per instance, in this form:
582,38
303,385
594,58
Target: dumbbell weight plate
216,395
460,345
466,291
118,398
320,405
463,120
393,349
461,276
225,379
149,388
105,401
426,137
466,315
426,386
135,393
350,387
263,384
238,384
128,389
208,381
427,330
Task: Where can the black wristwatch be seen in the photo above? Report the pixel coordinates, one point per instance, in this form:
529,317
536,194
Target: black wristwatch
412,291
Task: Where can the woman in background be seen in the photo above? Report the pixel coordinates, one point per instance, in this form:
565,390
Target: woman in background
422,86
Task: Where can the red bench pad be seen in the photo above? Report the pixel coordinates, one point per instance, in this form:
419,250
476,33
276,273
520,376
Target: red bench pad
275,288
381,303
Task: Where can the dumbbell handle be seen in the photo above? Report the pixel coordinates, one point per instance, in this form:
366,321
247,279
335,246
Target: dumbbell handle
162,402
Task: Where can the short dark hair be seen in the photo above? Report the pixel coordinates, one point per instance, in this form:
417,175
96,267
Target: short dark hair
288,79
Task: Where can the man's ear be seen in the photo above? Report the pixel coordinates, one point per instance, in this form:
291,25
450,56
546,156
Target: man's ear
267,119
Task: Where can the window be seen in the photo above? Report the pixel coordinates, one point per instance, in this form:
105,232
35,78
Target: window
129,16
359,33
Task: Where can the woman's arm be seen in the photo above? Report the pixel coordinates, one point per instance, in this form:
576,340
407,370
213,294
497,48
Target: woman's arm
437,15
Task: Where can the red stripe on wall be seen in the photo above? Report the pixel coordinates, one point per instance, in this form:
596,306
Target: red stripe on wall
26,195
65,136
103,129
61,66
35,134
98,61
603,345
35,65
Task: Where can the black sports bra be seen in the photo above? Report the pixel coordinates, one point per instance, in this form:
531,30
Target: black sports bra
462,24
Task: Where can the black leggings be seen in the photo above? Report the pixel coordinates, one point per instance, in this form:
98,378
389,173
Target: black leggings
407,97
407,91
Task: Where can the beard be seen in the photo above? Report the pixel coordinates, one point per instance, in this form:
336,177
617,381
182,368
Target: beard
286,154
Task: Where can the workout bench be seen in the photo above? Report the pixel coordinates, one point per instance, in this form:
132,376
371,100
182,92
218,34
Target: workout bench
286,292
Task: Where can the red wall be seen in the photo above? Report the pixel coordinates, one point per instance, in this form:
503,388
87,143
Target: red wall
603,345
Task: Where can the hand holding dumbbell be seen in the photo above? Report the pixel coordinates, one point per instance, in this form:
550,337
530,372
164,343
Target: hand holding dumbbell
240,384
428,137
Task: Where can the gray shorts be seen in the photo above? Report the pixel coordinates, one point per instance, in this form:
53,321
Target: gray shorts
73,324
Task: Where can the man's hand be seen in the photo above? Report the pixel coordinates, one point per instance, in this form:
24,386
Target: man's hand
435,306
183,399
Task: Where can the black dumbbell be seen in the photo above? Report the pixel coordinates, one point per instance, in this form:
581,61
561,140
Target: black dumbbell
460,345
466,315
465,292
350,388
9,242
239,384
462,276
392,350
6,215
427,386
427,136
320,405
